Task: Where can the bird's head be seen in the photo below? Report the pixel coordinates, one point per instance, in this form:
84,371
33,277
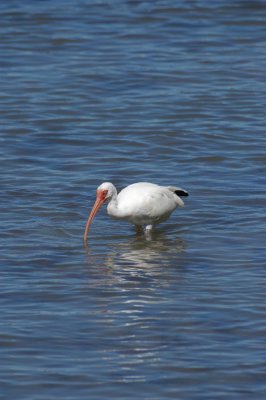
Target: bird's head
103,193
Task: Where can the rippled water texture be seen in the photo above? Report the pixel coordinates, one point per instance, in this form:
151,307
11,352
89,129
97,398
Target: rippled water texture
171,92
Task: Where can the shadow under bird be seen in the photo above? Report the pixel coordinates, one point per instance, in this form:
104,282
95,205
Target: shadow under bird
142,204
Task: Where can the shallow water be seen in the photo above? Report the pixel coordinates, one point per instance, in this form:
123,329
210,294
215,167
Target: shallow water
126,92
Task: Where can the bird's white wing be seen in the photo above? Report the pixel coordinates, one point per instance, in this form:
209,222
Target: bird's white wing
146,200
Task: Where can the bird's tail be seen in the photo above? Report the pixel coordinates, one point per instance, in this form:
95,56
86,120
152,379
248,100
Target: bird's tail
179,193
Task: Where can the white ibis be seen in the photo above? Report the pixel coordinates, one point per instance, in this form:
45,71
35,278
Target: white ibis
143,204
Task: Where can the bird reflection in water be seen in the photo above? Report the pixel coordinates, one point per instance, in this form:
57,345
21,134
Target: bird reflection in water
149,255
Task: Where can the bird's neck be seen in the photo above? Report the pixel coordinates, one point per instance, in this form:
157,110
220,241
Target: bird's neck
112,207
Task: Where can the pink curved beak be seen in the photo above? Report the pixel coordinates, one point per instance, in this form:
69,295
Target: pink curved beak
100,199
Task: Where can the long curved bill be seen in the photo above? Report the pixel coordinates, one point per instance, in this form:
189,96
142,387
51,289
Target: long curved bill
98,203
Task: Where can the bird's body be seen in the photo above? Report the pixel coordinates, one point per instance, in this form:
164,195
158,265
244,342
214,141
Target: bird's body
142,204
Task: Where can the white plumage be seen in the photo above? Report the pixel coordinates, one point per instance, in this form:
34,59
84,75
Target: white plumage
142,204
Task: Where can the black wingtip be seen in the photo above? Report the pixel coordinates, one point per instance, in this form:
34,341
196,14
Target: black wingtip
181,193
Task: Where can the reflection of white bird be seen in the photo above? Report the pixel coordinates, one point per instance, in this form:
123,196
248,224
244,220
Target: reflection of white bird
142,204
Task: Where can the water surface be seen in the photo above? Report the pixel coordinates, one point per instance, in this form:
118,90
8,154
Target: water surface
128,91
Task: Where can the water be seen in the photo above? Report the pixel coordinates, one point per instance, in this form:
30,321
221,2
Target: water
128,91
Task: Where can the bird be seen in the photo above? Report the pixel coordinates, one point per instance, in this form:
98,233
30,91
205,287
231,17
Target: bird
143,204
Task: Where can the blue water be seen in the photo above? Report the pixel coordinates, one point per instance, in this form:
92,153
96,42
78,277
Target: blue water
124,91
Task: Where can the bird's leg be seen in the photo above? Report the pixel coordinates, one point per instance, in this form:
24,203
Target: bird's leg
148,228
139,229
148,232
